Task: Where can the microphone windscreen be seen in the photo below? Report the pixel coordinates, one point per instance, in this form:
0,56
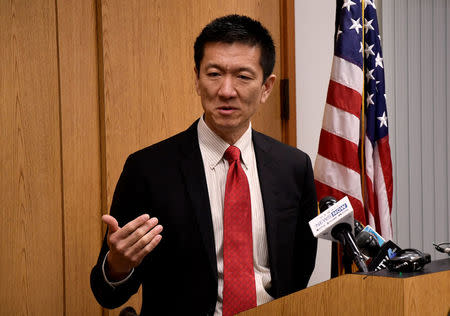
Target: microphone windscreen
380,239
367,243
326,202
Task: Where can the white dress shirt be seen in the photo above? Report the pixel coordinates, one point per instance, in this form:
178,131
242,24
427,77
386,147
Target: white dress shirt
212,148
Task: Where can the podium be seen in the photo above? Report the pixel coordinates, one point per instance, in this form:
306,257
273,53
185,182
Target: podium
425,292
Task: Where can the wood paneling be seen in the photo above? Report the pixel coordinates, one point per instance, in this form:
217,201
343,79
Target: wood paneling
31,267
80,132
287,61
82,85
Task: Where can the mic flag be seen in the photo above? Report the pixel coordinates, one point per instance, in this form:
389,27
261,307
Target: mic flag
387,252
336,213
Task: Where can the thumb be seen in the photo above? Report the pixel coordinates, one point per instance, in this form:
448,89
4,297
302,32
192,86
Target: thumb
112,223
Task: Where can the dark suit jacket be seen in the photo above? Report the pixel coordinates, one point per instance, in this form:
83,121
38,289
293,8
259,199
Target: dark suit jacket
167,180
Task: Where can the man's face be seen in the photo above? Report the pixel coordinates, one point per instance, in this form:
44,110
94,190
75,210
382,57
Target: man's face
230,85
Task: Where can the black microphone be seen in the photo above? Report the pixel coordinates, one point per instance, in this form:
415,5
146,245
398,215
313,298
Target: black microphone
326,202
343,232
366,240
443,247
374,246
367,243
358,227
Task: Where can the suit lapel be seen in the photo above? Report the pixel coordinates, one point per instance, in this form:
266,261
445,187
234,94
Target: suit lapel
267,171
195,180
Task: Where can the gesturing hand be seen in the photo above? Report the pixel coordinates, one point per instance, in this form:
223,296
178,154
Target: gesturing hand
130,244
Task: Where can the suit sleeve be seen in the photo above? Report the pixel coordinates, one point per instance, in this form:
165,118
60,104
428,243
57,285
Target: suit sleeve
128,203
306,243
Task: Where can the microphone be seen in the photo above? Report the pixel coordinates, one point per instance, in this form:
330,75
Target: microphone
326,202
343,233
335,223
374,246
379,238
331,213
368,240
367,243
441,248
358,227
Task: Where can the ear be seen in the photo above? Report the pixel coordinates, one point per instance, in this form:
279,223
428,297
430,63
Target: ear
197,75
267,87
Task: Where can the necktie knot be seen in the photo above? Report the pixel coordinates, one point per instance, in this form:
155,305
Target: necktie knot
232,154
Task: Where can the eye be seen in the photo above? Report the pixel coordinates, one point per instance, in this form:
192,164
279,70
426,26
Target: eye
213,74
244,77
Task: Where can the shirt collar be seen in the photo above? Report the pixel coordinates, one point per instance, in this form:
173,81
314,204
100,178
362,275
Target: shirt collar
216,146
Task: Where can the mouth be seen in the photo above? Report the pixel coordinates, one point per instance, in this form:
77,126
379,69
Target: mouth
226,109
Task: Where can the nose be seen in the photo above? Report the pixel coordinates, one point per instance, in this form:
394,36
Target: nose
227,89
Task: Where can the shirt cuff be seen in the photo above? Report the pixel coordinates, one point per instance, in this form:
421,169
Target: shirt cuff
114,284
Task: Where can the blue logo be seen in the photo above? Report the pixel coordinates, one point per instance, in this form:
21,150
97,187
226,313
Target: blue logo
391,253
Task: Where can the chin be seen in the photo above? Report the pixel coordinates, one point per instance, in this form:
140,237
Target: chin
228,125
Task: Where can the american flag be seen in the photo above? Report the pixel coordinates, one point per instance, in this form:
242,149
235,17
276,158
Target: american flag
340,170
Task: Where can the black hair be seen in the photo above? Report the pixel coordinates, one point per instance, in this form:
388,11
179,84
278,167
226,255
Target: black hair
237,28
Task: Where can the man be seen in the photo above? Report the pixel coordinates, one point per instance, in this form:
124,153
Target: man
234,203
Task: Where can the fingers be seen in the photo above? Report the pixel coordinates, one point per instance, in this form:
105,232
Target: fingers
136,234
148,238
133,231
131,243
145,245
153,242
130,227
113,226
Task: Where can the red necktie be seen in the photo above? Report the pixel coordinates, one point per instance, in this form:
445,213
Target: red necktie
239,291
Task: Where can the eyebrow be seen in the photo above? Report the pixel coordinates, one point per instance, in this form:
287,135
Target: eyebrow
213,65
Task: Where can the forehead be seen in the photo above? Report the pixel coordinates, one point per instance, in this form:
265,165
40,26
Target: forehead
231,55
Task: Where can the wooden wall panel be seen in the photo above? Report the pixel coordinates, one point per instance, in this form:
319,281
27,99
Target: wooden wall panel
63,149
80,132
287,68
31,267
148,71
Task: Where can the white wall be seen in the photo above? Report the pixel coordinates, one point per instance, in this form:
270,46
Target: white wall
416,47
314,31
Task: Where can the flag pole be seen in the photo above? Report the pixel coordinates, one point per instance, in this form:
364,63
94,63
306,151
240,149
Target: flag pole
363,132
